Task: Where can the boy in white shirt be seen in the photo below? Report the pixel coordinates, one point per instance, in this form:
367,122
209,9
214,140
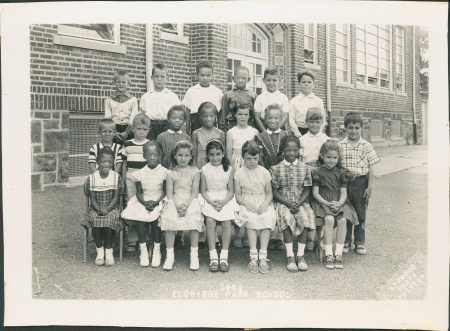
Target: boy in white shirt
197,94
271,96
157,102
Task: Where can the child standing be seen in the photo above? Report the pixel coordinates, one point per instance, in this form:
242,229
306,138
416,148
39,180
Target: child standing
269,143
217,189
144,207
254,195
359,157
157,102
207,113
302,102
330,201
182,211
175,120
239,94
121,107
203,91
310,144
269,97
133,160
103,216
235,138
107,131
291,182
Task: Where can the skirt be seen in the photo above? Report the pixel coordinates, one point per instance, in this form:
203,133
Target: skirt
170,221
250,220
131,185
347,211
238,161
135,211
111,220
227,211
296,222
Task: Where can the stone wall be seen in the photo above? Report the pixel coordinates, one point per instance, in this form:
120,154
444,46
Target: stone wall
50,148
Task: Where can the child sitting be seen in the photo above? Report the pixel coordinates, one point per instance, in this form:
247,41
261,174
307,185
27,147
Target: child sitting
121,107
103,216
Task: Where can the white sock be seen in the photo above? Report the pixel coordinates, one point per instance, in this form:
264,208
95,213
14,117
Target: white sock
100,253
194,251
157,247
301,249
109,252
339,248
143,246
262,254
289,249
213,255
328,250
254,254
224,254
170,253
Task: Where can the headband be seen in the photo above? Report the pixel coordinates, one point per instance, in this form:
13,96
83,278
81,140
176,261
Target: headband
219,141
183,141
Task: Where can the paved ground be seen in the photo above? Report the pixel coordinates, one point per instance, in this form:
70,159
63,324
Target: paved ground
397,247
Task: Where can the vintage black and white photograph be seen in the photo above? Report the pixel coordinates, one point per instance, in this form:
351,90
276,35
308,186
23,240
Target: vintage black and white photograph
260,163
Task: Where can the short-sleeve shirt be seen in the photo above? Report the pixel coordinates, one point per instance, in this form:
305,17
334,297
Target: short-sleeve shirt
152,181
253,181
197,94
121,108
156,105
310,146
167,140
268,98
298,107
240,136
357,159
133,153
291,178
117,150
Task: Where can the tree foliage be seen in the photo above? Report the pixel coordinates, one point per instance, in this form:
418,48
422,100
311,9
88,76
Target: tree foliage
423,47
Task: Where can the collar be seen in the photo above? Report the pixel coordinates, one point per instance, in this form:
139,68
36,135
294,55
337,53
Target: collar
155,168
348,142
171,131
236,89
201,87
165,90
269,132
117,94
289,163
318,134
311,95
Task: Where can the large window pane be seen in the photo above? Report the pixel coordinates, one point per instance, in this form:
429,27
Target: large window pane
360,46
372,60
360,57
360,34
372,71
361,69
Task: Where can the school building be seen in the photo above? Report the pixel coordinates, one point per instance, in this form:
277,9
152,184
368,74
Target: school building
369,68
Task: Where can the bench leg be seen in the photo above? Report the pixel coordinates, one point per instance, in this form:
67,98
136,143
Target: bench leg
85,238
120,244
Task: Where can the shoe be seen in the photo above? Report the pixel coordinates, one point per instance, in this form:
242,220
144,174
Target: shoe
339,262
224,267
245,242
264,265
100,259
291,266
253,266
195,264
271,245
201,244
143,258
310,245
301,263
237,242
109,258
329,262
346,248
361,250
156,260
279,246
214,265
131,247
168,265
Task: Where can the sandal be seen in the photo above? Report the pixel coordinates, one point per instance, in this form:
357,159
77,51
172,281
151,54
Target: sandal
214,265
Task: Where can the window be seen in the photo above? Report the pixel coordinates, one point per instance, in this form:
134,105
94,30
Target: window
231,64
342,53
373,56
104,37
173,32
395,128
241,37
310,44
400,59
376,129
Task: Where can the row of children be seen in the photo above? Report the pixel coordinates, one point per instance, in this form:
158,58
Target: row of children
254,187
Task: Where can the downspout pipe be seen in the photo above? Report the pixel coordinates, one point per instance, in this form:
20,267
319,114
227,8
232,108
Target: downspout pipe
414,85
148,54
328,78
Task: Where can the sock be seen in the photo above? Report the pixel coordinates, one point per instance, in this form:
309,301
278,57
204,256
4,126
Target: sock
100,253
194,251
254,254
213,255
224,254
328,250
339,248
289,249
156,247
170,253
109,252
301,249
262,254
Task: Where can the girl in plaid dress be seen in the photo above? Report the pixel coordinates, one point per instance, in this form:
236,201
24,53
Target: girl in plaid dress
103,216
291,182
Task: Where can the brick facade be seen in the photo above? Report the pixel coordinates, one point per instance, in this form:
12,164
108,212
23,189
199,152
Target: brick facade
73,80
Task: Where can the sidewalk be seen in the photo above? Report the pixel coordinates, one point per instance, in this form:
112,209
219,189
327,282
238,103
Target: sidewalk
413,158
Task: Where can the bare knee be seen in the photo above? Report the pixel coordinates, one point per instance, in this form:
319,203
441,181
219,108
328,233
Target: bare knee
226,225
341,222
210,222
329,221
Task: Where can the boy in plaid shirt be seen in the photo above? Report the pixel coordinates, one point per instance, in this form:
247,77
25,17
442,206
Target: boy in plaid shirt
359,157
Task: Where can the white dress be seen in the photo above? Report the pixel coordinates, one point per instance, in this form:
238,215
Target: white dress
253,184
152,181
217,189
240,136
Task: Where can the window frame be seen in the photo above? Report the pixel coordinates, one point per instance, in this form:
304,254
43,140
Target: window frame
315,63
403,82
178,37
264,46
347,83
69,36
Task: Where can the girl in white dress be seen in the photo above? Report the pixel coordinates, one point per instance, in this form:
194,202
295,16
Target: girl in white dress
253,189
182,211
145,206
217,200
